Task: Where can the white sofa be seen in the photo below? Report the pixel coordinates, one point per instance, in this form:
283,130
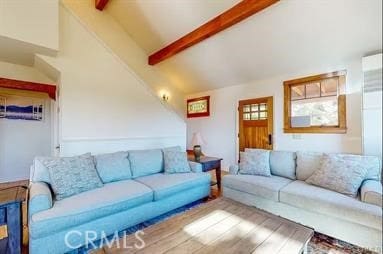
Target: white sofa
285,193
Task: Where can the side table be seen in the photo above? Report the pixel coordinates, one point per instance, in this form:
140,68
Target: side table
11,220
210,163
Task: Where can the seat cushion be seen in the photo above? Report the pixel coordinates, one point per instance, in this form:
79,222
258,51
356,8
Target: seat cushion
316,199
282,163
146,162
263,186
76,210
165,185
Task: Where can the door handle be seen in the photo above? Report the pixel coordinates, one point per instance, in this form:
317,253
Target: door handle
270,139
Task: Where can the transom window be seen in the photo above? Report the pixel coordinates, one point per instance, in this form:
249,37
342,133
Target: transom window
255,112
316,104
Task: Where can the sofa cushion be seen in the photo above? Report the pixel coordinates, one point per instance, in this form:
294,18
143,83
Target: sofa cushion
146,162
166,185
307,163
371,192
113,167
263,186
255,162
72,175
176,162
312,198
283,163
340,174
87,206
371,162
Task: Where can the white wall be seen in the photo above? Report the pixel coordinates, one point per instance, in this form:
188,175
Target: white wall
21,141
34,22
104,105
221,128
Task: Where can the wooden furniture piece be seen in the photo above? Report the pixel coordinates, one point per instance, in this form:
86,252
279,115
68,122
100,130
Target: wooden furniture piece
11,220
208,164
219,226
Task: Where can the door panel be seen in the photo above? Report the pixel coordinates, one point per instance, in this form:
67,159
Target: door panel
256,123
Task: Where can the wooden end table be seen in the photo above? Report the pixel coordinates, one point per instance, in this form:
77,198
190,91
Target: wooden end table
208,164
10,219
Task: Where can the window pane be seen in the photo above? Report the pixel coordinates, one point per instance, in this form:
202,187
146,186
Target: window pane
246,116
321,111
254,107
254,116
263,115
246,108
329,87
313,90
297,92
263,107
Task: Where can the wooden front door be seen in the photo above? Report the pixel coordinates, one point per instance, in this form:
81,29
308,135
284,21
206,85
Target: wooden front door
256,123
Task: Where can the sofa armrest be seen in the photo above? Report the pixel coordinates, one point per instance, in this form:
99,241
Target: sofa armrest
371,192
234,169
40,198
195,167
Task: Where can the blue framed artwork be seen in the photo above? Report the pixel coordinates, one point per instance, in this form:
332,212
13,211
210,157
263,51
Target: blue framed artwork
21,108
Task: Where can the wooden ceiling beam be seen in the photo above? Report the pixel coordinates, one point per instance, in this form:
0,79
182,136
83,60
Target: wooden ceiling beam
234,15
100,4
29,86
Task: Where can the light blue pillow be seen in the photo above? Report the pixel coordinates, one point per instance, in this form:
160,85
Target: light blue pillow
113,167
146,162
72,175
176,162
256,162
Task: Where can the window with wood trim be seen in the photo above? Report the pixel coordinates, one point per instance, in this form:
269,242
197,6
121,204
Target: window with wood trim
316,104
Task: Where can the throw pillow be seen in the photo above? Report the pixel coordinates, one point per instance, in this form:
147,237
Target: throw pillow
256,162
113,166
339,174
72,175
176,162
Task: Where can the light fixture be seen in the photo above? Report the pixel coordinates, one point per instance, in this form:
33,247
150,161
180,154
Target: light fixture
165,97
196,142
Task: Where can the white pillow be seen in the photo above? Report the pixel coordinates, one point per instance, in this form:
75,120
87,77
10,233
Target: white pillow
256,162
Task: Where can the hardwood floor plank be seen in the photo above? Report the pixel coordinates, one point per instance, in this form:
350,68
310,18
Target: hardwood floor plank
211,234
188,231
276,240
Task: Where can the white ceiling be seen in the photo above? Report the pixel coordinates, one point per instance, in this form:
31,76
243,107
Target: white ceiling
286,37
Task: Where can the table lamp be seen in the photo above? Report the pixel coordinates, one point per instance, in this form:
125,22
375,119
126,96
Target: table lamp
196,142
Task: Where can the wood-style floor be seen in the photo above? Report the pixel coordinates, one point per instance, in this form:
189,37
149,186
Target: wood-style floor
219,226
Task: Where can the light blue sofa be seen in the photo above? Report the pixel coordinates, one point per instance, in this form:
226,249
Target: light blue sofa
113,207
355,220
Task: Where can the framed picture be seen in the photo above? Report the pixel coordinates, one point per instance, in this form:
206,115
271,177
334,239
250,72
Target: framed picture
198,107
21,108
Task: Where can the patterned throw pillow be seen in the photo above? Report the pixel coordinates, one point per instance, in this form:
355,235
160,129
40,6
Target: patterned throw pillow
256,162
72,175
340,174
176,162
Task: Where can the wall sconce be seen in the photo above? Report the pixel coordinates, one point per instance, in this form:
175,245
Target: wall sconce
165,97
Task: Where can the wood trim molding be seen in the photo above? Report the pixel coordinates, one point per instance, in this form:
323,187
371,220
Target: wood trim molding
29,86
234,15
341,128
100,4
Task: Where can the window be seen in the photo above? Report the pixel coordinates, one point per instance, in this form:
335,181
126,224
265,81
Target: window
255,111
315,104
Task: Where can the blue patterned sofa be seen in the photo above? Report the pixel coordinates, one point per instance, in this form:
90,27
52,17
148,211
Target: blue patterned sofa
287,194
113,207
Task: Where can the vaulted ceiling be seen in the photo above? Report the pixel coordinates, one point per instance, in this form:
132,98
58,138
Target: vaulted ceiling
287,37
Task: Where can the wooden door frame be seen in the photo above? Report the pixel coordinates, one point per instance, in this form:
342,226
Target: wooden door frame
270,118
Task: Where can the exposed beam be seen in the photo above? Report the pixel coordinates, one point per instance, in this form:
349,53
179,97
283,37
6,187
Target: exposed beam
29,86
234,15
100,4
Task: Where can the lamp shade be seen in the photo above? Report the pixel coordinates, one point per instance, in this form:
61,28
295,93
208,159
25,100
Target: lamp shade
197,139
